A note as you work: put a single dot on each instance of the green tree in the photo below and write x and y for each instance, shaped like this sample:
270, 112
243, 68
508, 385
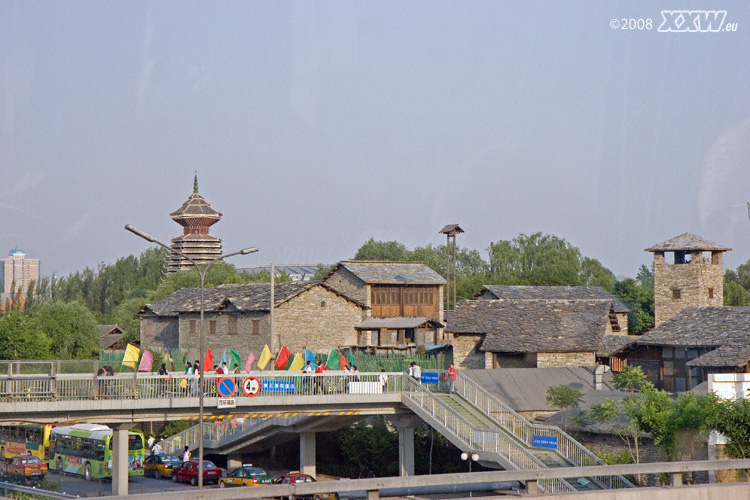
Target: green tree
372, 446
641, 298
542, 260
564, 397
382, 250
72, 328
731, 417
20, 338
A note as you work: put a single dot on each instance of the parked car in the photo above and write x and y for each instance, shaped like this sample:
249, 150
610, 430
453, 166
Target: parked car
247, 475
296, 477
188, 472
160, 465
25, 465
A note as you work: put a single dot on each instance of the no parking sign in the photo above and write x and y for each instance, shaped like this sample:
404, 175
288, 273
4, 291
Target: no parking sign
225, 387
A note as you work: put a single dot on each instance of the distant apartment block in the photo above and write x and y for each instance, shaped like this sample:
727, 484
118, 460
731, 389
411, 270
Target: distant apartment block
18, 271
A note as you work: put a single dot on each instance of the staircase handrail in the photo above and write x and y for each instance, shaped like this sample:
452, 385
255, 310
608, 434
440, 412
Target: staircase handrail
521, 428
486, 440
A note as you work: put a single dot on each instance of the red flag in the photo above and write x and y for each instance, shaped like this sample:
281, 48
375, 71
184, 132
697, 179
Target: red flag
208, 363
283, 358
342, 362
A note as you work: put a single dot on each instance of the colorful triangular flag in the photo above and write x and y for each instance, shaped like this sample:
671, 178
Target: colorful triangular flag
264, 358
131, 356
249, 362
234, 359
282, 359
147, 361
298, 363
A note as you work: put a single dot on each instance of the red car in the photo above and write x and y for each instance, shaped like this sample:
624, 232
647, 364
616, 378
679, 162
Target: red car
188, 472
295, 477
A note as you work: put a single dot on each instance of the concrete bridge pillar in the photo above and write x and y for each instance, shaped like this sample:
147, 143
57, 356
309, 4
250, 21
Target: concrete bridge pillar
120, 459
405, 425
307, 453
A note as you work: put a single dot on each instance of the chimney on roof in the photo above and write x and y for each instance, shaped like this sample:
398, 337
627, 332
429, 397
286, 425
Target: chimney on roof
599, 372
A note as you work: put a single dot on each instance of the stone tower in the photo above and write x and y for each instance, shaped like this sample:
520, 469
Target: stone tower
690, 274
195, 216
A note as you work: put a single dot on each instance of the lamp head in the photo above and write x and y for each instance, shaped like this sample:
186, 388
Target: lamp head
140, 233
248, 250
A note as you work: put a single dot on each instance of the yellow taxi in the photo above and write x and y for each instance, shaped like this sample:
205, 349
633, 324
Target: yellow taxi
160, 465
247, 475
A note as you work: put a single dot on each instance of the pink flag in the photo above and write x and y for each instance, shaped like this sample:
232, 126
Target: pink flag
147, 361
250, 360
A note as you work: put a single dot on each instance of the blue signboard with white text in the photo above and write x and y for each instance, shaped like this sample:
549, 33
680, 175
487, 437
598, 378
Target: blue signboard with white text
430, 377
278, 386
549, 442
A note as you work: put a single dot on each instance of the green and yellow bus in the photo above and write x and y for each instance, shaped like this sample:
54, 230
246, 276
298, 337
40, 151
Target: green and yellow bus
86, 449
32, 439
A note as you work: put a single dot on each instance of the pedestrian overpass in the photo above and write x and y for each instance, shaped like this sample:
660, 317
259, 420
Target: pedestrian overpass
471, 418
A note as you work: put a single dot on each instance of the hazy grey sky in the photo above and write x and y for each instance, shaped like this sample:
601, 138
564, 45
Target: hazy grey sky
316, 125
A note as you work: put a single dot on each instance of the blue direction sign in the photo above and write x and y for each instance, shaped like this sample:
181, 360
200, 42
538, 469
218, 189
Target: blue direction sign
225, 387
549, 442
430, 378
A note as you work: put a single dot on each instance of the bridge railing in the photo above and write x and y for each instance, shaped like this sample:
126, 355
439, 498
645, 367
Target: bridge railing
485, 440
524, 430
80, 387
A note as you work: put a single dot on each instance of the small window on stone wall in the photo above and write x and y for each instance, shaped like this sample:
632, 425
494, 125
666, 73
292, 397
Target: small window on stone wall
256, 327
212, 327
710, 293
676, 293
322, 303
232, 325
192, 327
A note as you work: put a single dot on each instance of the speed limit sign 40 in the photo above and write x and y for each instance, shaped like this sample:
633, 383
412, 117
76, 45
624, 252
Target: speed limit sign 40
251, 386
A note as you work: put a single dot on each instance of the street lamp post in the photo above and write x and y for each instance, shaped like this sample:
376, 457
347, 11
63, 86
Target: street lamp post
202, 273
470, 457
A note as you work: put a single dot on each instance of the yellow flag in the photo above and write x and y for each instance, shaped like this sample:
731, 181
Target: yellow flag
131, 356
298, 363
264, 358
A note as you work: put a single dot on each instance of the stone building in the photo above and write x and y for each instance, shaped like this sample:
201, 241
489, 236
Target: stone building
679, 354
688, 271
195, 216
404, 301
307, 315
536, 327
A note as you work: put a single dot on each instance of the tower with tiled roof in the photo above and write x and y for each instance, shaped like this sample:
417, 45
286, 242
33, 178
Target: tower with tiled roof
693, 275
195, 216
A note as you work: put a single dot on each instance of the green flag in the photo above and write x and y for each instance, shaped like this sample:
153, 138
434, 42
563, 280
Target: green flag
334, 360
351, 357
234, 359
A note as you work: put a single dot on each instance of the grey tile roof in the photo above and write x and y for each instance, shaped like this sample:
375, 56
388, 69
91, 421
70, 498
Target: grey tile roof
541, 325
244, 297
703, 326
725, 356
552, 292
392, 272
612, 344
724, 327
525, 389
195, 206
687, 242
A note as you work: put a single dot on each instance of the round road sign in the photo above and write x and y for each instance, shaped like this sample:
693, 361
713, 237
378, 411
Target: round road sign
251, 386
225, 387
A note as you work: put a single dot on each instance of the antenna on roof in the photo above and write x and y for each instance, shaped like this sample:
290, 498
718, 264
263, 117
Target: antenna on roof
195, 182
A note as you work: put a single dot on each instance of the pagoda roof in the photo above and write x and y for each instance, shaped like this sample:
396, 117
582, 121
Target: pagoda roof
195, 207
687, 242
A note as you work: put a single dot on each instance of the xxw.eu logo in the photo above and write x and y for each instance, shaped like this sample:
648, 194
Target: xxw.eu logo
692, 20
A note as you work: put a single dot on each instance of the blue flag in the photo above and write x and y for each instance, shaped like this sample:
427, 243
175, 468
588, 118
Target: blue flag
224, 357
310, 356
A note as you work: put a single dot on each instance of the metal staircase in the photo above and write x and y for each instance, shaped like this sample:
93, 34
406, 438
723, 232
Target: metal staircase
476, 421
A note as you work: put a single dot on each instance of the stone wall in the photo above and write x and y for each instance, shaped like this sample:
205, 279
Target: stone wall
347, 284
466, 354
252, 333
159, 334
317, 319
565, 359
699, 283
